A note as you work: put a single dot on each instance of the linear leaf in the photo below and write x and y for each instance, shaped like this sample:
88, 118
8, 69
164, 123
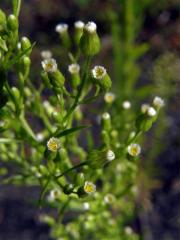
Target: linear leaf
70, 130
16, 7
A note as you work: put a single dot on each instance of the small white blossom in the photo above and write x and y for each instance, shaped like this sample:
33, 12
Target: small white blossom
74, 68
106, 115
79, 24
109, 198
19, 46
90, 27
49, 65
145, 107
128, 230
53, 195
46, 54
39, 137
158, 102
151, 112
110, 155
86, 206
53, 144
61, 28
109, 97
89, 187
126, 104
98, 72
134, 149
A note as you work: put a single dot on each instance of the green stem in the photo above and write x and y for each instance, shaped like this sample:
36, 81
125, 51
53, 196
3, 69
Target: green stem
27, 127
71, 169
78, 96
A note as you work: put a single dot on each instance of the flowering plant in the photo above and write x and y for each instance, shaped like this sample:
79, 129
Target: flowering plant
50, 141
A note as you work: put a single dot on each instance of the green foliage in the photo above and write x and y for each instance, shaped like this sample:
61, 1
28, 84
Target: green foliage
94, 181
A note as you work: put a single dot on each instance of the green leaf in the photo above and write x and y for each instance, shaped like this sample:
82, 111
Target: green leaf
70, 130
3, 45
16, 7
8, 140
17, 57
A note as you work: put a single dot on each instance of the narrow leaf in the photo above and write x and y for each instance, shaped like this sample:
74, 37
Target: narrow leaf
70, 130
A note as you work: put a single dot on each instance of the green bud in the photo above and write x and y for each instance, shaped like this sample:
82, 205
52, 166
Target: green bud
12, 22
45, 79
25, 65
106, 121
79, 25
57, 117
57, 79
78, 114
90, 42
62, 30
3, 44
16, 93
105, 137
80, 179
26, 44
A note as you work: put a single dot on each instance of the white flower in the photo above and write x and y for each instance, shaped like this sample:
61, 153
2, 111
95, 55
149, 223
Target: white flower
110, 155
126, 104
151, 112
98, 72
19, 46
61, 28
145, 107
158, 102
109, 198
128, 230
109, 97
53, 195
106, 115
49, 65
39, 137
134, 149
89, 187
86, 206
90, 27
53, 144
74, 68
79, 24
46, 54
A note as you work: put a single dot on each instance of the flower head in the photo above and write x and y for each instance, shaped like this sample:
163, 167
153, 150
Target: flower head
89, 187
151, 112
109, 198
158, 102
53, 195
145, 107
74, 68
49, 65
90, 27
79, 24
53, 144
46, 54
61, 28
109, 97
106, 115
134, 149
126, 104
98, 72
110, 155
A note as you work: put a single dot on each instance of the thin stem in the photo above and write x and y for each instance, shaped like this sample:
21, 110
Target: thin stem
78, 96
71, 169
27, 127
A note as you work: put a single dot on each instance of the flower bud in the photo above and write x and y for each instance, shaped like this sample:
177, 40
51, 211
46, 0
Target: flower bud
74, 69
12, 22
55, 76
90, 42
16, 93
109, 97
158, 102
106, 121
98, 158
25, 65
80, 179
25, 44
79, 26
62, 29
101, 77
